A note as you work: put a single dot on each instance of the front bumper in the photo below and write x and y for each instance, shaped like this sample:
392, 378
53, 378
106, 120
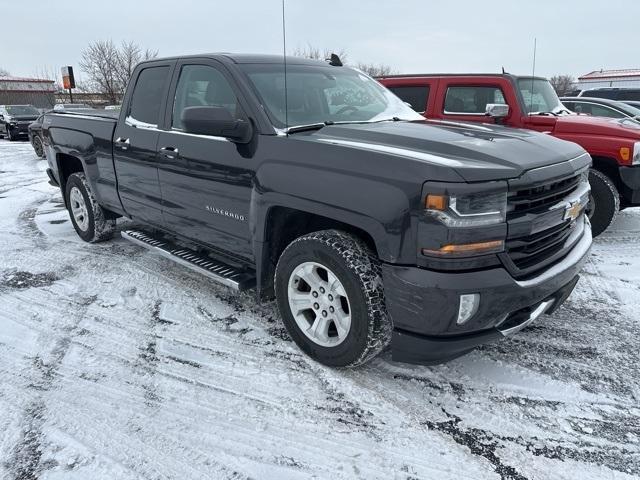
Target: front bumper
423, 305
630, 184
19, 129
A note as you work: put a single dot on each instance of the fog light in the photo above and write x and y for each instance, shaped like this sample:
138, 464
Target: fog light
468, 307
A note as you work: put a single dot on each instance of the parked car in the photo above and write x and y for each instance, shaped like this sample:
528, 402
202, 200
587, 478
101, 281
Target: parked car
71, 106
612, 93
532, 103
15, 120
369, 224
35, 135
601, 107
633, 103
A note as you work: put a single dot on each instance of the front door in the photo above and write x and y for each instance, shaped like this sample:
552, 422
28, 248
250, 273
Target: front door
135, 144
206, 181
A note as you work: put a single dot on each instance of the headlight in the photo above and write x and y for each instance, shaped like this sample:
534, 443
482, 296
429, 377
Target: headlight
468, 209
636, 154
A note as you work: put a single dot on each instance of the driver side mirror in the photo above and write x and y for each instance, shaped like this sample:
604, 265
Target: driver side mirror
217, 122
497, 111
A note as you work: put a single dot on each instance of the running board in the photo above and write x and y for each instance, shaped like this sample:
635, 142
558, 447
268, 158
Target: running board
218, 271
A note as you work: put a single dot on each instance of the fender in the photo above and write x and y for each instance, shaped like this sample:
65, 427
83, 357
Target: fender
373, 205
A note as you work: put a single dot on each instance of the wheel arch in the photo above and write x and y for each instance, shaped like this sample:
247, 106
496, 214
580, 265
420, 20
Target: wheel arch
283, 224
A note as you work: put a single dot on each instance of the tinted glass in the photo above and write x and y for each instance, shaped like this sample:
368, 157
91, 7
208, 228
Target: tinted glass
610, 94
147, 95
415, 96
202, 86
629, 95
602, 111
472, 100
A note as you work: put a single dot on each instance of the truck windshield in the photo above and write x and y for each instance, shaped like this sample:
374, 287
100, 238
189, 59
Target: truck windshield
22, 110
539, 96
324, 94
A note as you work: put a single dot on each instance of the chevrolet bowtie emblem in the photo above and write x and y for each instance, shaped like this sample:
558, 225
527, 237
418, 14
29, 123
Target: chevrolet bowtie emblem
573, 211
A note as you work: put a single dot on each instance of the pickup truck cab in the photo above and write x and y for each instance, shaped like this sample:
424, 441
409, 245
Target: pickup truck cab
368, 224
531, 103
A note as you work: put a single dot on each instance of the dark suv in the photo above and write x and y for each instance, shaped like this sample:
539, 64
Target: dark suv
15, 120
612, 93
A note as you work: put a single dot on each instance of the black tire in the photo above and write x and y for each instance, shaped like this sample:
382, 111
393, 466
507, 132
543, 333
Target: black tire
97, 228
10, 136
37, 146
604, 203
360, 273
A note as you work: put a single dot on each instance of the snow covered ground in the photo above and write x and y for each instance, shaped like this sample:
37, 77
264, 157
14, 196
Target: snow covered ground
118, 364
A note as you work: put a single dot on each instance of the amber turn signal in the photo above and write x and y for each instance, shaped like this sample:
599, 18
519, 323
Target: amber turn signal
466, 249
436, 202
625, 153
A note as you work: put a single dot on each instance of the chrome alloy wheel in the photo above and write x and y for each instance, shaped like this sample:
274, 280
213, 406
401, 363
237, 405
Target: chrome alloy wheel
79, 209
319, 304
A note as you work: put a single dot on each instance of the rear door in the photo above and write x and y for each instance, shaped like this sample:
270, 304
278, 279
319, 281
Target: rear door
206, 180
415, 94
136, 139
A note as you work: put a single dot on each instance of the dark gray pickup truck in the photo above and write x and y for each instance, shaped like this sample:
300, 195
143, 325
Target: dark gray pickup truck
369, 224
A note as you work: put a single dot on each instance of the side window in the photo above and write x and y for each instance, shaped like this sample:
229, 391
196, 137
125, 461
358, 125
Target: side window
602, 111
147, 95
416, 96
471, 100
202, 86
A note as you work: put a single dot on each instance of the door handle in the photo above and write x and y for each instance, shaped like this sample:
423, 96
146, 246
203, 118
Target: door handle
122, 143
169, 152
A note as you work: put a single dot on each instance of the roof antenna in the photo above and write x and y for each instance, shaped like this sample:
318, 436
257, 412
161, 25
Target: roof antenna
503, 72
284, 56
533, 73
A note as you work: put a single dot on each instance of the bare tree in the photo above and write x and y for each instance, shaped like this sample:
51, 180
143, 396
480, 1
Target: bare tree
109, 67
563, 84
4, 73
374, 70
315, 53
100, 62
129, 55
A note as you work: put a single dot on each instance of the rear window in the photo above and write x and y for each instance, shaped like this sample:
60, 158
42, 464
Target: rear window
416, 96
472, 100
610, 94
629, 95
147, 95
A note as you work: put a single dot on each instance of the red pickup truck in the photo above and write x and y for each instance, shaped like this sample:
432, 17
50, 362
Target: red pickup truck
532, 103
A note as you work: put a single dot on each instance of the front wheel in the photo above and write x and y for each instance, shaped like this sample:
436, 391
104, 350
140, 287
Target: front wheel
37, 146
10, 136
86, 214
330, 296
604, 202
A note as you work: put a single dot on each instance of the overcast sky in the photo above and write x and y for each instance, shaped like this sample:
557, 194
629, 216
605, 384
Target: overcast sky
411, 36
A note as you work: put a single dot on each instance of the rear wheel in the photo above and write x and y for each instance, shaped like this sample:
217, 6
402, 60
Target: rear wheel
87, 216
604, 202
37, 146
330, 296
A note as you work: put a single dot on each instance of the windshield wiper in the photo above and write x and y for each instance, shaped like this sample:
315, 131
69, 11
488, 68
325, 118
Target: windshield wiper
310, 126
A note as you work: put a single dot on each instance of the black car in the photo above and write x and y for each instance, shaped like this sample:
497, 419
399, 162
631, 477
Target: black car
612, 93
369, 224
35, 135
601, 107
15, 120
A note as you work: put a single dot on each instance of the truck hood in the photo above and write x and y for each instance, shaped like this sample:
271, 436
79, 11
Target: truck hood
583, 124
476, 152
